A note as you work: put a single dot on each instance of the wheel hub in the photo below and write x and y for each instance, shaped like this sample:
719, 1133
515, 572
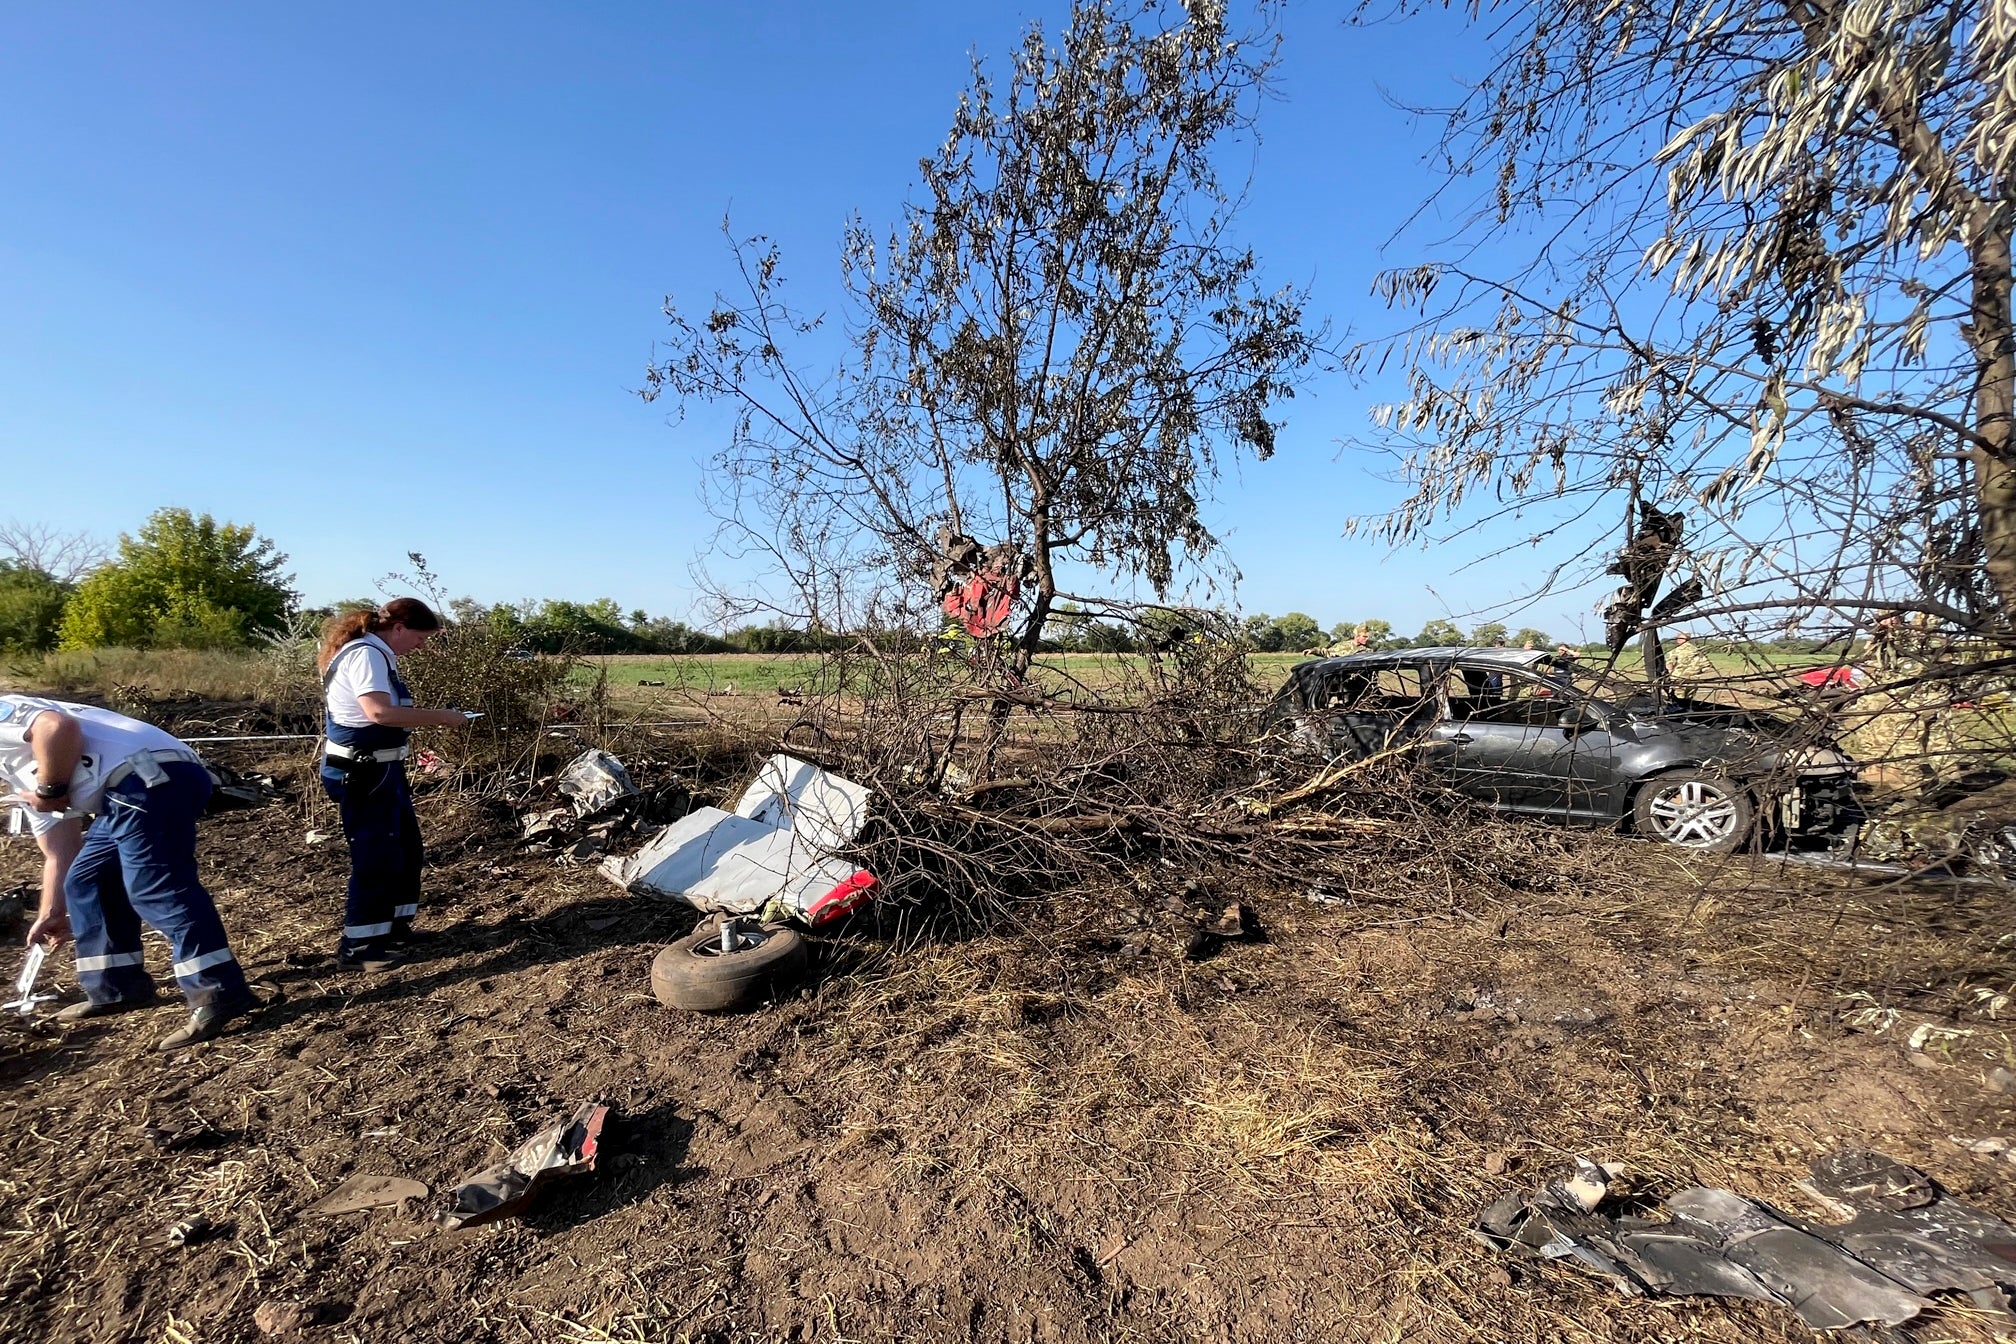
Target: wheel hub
1694, 814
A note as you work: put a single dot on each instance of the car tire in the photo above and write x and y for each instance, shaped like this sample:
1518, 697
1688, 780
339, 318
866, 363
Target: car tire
696, 975
1694, 809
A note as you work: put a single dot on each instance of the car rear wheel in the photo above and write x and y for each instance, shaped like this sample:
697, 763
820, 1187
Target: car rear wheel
1694, 809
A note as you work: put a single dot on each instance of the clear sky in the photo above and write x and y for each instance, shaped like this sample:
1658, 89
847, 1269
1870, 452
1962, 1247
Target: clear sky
380, 277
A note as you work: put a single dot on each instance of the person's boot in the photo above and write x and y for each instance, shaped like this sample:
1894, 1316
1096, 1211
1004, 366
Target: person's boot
209, 1021
80, 1012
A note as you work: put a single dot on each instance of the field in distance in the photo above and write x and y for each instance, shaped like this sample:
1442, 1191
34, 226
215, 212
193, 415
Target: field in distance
764, 674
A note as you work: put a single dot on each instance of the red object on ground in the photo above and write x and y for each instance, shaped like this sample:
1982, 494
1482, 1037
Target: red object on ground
982, 604
1831, 676
843, 900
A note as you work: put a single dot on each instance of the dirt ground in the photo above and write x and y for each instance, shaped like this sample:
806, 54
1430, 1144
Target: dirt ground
1058, 1131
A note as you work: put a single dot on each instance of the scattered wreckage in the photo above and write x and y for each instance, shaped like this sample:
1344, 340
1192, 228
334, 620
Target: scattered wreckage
1903, 1240
567, 1148
772, 862
1530, 732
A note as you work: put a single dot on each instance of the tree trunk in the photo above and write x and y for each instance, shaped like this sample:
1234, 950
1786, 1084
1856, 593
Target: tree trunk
1991, 334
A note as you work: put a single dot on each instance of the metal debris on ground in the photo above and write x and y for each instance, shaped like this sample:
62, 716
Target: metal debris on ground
568, 1148
25, 997
190, 1231
548, 825
774, 853
595, 780
232, 792
360, 1193
1904, 1239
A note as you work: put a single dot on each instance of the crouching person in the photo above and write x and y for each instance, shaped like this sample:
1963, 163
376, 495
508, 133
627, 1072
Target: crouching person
145, 790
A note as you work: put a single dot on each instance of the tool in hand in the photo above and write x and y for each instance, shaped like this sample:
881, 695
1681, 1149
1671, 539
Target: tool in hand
25, 996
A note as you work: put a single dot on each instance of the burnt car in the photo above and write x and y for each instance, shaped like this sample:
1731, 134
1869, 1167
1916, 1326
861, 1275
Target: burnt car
1534, 733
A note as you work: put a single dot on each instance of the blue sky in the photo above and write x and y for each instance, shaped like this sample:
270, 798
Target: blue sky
384, 277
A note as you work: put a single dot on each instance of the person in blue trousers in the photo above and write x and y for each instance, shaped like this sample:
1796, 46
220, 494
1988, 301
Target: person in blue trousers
369, 716
136, 864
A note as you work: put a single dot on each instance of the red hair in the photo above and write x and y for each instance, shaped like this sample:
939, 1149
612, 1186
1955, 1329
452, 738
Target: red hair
346, 626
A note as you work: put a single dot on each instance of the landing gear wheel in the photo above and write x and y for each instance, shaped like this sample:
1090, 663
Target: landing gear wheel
1694, 809
703, 973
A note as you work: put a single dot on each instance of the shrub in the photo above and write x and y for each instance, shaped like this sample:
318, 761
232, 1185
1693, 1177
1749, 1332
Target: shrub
473, 667
183, 582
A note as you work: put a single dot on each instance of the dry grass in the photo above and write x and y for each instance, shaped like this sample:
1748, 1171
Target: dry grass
1329, 1082
159, 674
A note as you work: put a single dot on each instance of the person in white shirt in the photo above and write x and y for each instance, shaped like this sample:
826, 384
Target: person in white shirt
145, 790
368, 717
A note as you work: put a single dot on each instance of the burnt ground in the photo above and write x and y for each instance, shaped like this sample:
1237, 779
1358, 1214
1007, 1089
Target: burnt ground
1059, 1130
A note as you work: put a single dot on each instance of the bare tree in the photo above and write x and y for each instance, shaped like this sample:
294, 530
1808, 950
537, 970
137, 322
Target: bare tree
65, 557
1766, 283
1053, 352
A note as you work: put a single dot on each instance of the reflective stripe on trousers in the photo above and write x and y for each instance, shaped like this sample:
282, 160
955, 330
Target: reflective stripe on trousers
138, 863
108, 961
184, 969
385, 853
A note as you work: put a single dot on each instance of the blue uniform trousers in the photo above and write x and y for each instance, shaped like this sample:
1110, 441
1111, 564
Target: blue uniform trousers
385, 853
138, 862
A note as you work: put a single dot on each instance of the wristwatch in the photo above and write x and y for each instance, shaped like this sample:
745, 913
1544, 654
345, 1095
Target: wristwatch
52, 790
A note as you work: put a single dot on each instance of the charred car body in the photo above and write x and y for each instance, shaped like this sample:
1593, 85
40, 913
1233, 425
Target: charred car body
1529, 732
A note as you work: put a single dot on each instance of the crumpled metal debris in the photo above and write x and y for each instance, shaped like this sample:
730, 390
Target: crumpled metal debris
1904, 1240
568, 1148
595, 780
551, 824
773, 854
977, 585
231, 791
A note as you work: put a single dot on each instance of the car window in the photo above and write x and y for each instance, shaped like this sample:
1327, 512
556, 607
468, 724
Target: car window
1335, 689
1405, 682
1506, 697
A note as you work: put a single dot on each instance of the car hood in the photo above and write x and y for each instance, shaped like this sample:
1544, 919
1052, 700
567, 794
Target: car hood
1743, 739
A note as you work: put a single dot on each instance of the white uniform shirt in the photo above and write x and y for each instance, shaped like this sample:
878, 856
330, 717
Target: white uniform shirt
109, 741
360, 667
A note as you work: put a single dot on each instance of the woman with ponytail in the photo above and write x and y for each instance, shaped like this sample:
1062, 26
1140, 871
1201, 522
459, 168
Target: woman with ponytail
369, 714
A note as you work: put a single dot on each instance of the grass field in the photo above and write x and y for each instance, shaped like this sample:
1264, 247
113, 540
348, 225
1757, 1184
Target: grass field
764, 674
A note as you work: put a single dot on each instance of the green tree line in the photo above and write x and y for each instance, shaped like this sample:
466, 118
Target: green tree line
185, 580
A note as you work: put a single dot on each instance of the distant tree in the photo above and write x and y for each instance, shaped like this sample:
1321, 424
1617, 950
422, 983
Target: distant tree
183, 581
1488, 633
660, 634
1066, 630
1438, 634
1295, 632
31, 608
64, 557
1108, 637
467, 611
580, 627
1526, 634
1260, 631
1060, 346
